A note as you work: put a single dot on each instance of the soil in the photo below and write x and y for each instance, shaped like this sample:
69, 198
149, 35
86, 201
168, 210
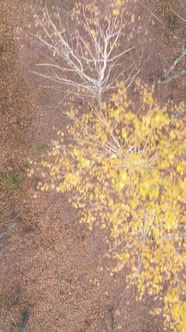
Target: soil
53, 277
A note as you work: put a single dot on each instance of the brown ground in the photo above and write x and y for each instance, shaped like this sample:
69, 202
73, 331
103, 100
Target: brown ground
50, 266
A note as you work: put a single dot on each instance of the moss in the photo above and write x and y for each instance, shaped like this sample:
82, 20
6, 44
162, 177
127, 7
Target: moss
14, 180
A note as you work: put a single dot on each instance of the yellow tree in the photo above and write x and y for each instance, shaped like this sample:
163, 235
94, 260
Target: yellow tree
124, 166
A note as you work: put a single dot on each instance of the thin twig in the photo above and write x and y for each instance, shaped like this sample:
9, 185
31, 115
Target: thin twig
181, 17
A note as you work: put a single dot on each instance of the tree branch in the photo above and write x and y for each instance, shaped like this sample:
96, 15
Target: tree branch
169, 76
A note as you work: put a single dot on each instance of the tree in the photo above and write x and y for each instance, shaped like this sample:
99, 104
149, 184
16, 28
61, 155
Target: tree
87, 50
124, 166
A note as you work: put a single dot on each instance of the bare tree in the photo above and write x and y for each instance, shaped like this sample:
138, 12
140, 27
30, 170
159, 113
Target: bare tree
88, 49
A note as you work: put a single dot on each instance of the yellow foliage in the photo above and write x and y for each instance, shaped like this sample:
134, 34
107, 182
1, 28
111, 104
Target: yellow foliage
125, 170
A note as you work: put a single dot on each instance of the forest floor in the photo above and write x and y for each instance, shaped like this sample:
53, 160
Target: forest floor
51, 268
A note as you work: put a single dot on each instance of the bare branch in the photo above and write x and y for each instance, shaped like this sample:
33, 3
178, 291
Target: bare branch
111, 319
182, 18
24, 320
170, 75
86, 57
173, 76
15, 222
